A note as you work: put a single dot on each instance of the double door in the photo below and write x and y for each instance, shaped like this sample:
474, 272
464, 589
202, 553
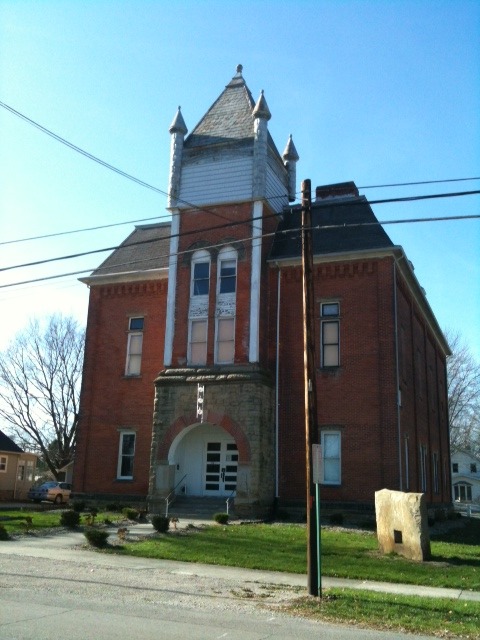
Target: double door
221, 464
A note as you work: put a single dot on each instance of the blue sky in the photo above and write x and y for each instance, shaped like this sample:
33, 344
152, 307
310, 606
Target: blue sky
377, 92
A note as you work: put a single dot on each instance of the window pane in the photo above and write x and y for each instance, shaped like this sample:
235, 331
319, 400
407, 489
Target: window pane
128, 444
126, 470
330, 332
199, 330
330, 356
201, 278
136, 324
225, 329
228, 271
331, 471
225, 352
198, 353
331, 445
330, 309
136, 341
226, 340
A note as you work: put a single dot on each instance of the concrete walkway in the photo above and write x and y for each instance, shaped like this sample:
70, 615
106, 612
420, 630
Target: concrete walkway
70, 546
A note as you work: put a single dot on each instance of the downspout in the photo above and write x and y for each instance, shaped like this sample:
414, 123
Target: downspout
397, 375
277, 373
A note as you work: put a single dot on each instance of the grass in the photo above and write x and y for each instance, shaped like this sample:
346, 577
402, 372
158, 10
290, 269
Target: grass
348, 554
440, 617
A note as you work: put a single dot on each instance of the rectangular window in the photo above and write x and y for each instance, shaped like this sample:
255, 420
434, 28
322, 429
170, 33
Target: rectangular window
436, 482
423, 468
126, 455
225, 340
201, 278
198, 342
463, 492
3, 464
330, 334
30, 467
21, 470
473, 468
134, 347
228, 276
455, 467
331, 457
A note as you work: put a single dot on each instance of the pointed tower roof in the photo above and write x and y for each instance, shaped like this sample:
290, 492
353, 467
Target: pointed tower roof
178, 124
290, 153
229, 119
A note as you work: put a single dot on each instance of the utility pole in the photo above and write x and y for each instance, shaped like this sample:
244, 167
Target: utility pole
311, 428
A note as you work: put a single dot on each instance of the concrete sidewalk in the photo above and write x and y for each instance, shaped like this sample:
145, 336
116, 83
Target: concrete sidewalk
70, 546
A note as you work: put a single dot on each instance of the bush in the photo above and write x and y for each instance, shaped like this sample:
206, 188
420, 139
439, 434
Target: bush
160, 523
221, 518
336, 519
3, 533
70, 519
130, 513
96, 537
114, 506
79, 505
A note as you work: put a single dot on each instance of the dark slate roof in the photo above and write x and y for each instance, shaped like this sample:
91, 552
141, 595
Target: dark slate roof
229, 120
334, 212
147, 247
7, 444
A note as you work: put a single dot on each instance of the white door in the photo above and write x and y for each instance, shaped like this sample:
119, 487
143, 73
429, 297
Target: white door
221, 461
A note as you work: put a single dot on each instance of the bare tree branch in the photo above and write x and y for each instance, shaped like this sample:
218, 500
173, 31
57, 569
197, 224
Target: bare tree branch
40, 376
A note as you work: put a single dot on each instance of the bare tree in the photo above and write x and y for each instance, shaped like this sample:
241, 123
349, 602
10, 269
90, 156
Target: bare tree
40, 376
463, 374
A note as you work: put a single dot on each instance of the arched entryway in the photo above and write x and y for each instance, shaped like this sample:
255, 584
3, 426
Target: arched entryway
205, 458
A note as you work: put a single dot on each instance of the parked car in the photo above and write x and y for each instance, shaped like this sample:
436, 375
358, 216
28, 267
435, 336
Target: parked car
52, 491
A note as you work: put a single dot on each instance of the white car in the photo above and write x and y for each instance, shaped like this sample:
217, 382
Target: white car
52, 491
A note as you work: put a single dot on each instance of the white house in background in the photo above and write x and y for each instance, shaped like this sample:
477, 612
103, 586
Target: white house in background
465, 476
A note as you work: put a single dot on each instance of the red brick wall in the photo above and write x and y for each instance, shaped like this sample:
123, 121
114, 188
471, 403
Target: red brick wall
110, 400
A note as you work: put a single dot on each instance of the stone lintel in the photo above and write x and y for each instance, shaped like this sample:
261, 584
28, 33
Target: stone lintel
215, 375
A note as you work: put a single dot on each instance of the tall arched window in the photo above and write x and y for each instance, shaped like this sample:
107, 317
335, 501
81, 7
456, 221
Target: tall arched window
225, 311
198, 308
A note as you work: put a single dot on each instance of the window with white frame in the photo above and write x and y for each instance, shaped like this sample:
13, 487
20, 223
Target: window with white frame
331, 442
462, 491
198, 342
227, 275
126, 454
330, 334
200, 274
134, 346
21, 470
30, 467
423, 468
225, 347
3, 464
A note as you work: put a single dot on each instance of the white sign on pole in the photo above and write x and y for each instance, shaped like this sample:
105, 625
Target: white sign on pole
317, 463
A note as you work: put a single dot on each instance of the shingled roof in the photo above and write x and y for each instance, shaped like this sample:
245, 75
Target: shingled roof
7, 444
147, 247
341, 224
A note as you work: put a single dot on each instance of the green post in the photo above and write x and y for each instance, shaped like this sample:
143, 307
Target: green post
319, 543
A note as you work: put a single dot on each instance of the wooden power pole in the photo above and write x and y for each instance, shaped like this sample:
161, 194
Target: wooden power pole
311, 427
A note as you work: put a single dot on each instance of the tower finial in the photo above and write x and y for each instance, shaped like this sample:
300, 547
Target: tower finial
239, 68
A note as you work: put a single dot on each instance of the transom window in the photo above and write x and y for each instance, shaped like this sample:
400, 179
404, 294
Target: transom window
330, 334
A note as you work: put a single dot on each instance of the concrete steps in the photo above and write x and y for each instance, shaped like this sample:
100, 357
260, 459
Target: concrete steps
198, 508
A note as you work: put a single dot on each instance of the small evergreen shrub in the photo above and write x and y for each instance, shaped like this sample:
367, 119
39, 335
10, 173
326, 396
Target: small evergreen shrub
70, 519
96, 537
336, 519
3, 533
161, 523
114, 506
221, 518
79, 505
130, 513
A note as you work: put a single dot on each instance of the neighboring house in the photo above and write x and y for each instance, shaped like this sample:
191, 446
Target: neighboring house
17, 470
65, 474
465, 476
206, 312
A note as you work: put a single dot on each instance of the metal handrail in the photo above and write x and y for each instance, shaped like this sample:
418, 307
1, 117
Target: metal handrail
230, 499
173, 493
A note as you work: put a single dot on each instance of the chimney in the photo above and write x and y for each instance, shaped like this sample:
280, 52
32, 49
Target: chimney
338, 190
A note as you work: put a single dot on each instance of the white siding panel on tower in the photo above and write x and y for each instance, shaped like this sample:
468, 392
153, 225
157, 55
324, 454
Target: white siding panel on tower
223, 180
276, 191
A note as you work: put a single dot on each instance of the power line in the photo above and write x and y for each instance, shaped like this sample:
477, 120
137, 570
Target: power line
273, 233
236, 223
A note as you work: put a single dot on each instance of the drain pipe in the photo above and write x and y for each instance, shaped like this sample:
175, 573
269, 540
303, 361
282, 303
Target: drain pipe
397, 373
277, 370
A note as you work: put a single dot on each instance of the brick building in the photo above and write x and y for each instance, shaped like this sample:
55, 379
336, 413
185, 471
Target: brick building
215, 299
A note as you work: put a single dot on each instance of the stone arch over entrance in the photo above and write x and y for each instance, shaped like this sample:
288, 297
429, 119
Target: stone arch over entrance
216, 419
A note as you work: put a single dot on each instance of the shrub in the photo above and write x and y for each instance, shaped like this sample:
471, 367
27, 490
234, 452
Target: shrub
79, 505
114, 506
96, 537
221, 518
160, 523
130, 513
70, 519
336, 519
3, 533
